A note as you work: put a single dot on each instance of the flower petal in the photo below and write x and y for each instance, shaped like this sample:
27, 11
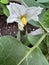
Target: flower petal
33, 12
12, 19
22, 9
20, 26
35, 18
10, 9
13, 10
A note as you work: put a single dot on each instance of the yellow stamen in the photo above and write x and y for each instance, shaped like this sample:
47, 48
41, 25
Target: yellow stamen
24, 21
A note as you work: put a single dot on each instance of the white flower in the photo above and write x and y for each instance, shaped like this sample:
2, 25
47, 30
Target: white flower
22, 14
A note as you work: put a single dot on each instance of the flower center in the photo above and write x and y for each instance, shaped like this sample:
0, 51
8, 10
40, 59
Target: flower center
24, 20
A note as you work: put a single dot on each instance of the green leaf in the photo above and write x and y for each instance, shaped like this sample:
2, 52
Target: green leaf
1, 11
26, 40
33, 38
34, 23
45, 19
48, 41
46, 5
13, 52
43, 1
31, 2
36, 58
43, 46
4, 1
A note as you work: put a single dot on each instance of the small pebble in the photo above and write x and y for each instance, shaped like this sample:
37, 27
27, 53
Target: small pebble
14, 32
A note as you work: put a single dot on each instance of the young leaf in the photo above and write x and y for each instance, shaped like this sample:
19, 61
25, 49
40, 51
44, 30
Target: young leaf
6, 11
4, 1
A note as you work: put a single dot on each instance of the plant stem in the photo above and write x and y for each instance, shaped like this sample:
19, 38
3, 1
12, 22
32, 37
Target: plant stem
43, 27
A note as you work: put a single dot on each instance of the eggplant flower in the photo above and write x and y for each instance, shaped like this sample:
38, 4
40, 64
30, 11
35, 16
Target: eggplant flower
21, 14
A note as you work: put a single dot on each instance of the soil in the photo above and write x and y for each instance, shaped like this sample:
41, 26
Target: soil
12, 28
